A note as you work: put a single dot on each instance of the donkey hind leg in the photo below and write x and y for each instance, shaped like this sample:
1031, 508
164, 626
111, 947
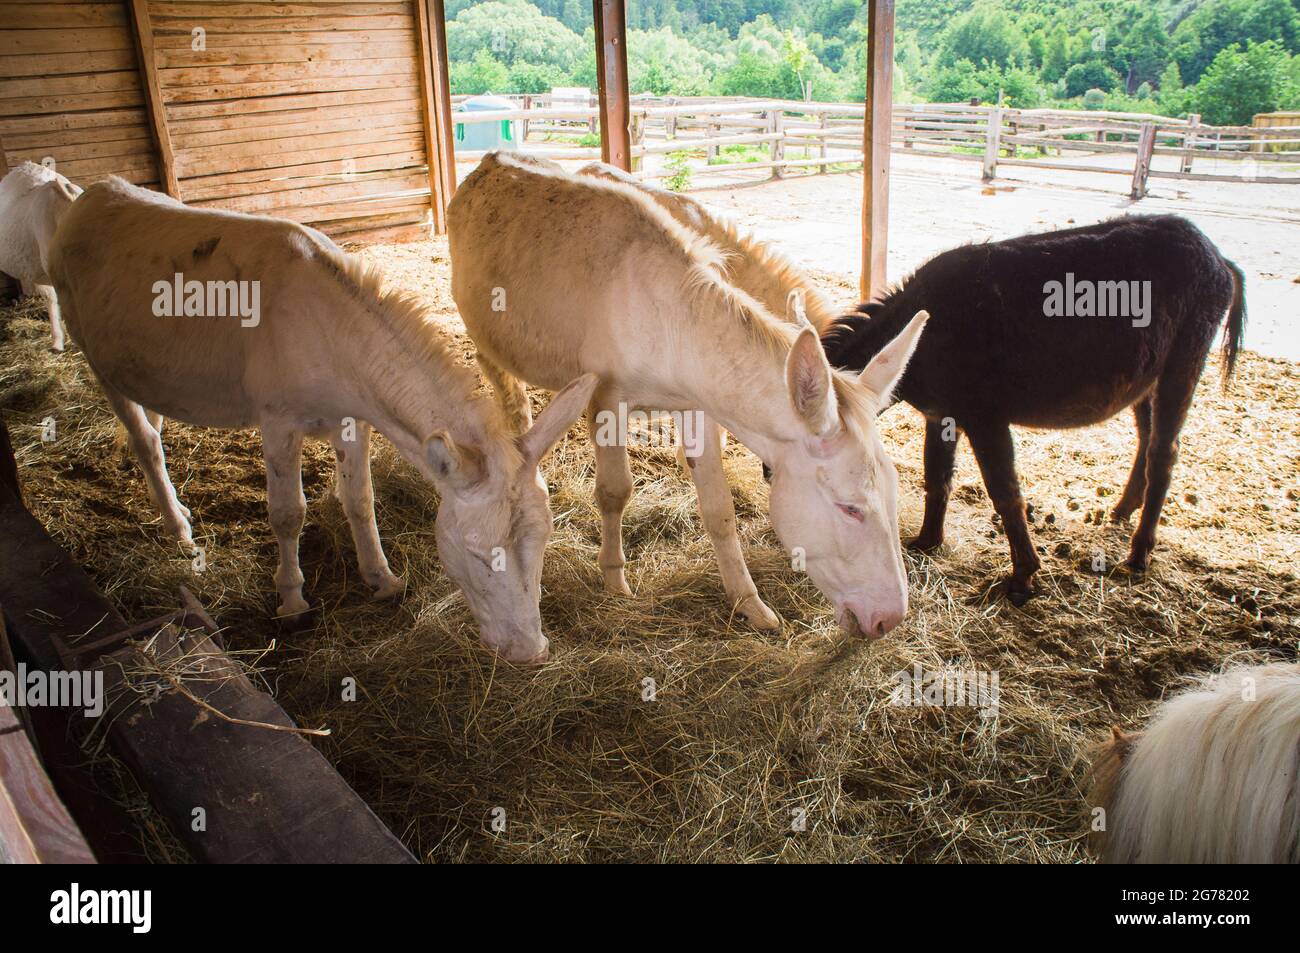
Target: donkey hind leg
56, 319
1136, 487
718, 513
940, 460
146, 444
355, 493
510, 392
1173, 398
995, 452
613, 488
287, 507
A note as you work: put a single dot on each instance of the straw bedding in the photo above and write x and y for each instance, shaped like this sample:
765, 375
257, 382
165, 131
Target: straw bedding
744, 746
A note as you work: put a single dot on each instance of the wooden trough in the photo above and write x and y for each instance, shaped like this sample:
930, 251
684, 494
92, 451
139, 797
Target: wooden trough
220, 760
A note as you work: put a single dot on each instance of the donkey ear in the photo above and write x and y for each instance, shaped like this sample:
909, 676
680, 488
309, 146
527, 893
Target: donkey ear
461, 466
794, 309
882, 374
552, 423
808, 379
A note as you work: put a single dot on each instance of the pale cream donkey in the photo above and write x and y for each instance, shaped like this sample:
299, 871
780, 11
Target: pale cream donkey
558, 275
221, 319
32, 201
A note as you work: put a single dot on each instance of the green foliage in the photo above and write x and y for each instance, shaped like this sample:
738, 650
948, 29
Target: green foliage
1093, 74
1238, 84
1221, 57
677, 165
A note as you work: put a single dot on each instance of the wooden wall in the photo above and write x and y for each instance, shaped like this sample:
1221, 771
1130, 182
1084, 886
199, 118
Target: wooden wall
314, 111
70, 91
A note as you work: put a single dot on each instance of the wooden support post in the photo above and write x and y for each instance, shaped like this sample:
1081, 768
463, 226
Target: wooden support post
670, 123
825, 124
439, 135
1189, 141
993, 142
637, 131
711, 150
776, 126
142, 31
523, 123
610, 18
1142, 166
875, 145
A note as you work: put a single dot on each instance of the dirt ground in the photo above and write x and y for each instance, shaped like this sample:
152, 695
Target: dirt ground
938, 203
779, 746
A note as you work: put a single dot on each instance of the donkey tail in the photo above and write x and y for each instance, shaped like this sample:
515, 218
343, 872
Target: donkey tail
1235, 332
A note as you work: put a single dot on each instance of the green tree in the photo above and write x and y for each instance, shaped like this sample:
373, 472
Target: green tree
1238, 84
1092, 74
1143, 51
513, 31
984, 34
482, 74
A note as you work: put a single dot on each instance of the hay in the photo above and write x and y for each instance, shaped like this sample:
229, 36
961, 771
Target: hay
747, 733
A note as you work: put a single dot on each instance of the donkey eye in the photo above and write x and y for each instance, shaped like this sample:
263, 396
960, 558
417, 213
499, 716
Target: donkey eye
852, 512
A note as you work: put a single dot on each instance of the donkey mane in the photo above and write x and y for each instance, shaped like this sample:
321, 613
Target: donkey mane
408, 320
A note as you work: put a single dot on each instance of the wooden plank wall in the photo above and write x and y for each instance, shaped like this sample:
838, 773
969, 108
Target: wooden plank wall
70, 91
313, 111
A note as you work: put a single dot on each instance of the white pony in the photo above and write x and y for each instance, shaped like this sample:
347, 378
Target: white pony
560, 275
32, 200
1214, 777
221, 319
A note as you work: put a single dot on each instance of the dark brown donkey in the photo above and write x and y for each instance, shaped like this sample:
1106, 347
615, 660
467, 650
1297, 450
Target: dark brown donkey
1062, 329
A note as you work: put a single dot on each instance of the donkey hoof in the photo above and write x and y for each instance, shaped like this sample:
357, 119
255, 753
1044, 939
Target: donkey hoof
387, 586
292, 606
925, 544
616, 582
1138, 562
1019, 591
757, 613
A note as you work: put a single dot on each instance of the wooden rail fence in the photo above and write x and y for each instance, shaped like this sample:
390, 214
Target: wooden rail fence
820, 136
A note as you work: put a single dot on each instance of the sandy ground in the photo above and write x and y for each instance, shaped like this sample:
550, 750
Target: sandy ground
937, 203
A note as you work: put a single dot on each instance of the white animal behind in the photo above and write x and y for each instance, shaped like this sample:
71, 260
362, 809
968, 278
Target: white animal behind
32, 201
329, 354
559, 275
1213, 778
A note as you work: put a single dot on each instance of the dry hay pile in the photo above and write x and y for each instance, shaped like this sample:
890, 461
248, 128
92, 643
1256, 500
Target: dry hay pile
747, 733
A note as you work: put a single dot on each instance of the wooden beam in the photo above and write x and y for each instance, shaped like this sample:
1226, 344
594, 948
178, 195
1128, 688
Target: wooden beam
875, 146
444, 127
142, 31
432, 140
610, 18
1142, 164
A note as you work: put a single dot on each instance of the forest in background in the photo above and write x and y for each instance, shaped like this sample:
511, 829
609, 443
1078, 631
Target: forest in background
1224, 59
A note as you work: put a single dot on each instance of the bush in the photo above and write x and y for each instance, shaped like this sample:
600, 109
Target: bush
1094, 99
1094, 74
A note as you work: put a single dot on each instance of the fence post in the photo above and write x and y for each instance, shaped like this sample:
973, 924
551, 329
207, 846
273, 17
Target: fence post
1146, 143
636, 128
711, 150
776, 125
1189, 142
992, 143
523, 125
826, 126
670, 122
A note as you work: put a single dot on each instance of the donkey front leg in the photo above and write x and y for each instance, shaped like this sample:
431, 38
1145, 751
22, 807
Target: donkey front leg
613, 488
1136, 487
510, 392
940, 460
356, 494
146, 444
287, 507
56, 319
718, 513
996, 455
1173, 398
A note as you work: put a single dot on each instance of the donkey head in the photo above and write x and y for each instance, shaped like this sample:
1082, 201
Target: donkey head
834, 497
493, 524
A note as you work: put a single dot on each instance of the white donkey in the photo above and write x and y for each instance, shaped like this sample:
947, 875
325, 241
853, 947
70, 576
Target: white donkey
560, 275
755, 267
227, 320
32, 200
